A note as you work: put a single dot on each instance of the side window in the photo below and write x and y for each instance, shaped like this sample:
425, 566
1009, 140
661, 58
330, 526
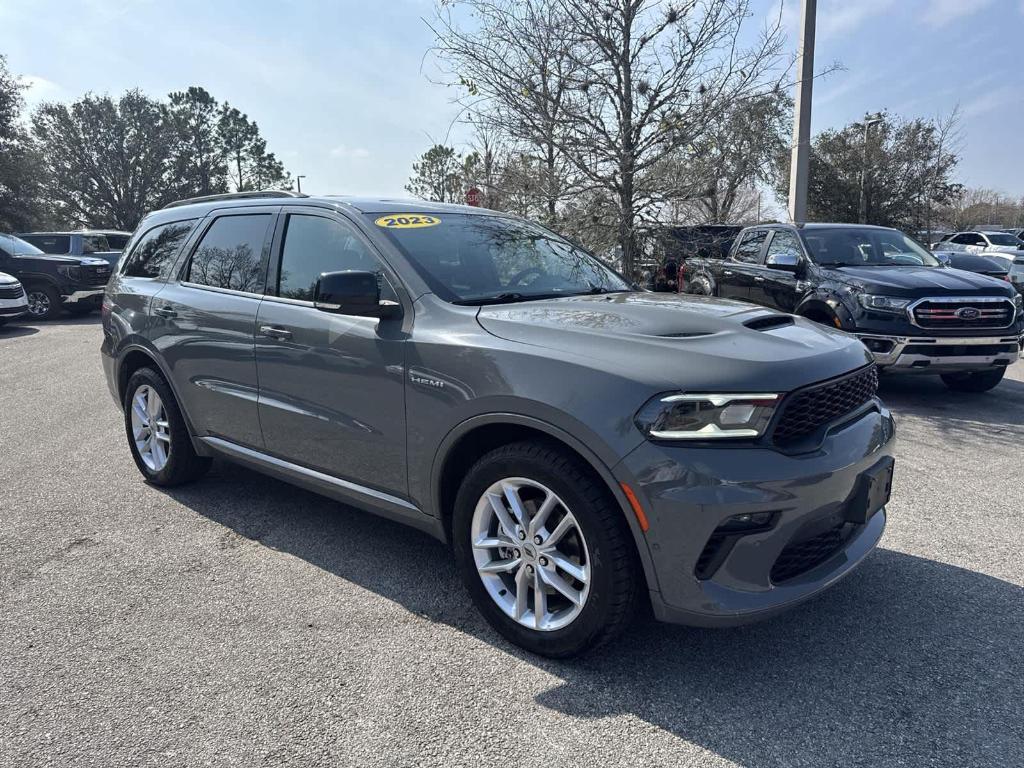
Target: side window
749, 249
57, 244
314, 245
154, 254
230, 255
784, 242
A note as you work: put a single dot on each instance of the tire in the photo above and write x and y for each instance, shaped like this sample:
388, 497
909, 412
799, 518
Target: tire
701, 287
599, 545
181, 464
80, 308
43, 302
974, 381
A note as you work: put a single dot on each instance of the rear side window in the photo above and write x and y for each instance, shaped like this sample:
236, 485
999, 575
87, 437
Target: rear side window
94, 244
230, 255
154, 255
749, 249
118, 242
50, 243
314, 245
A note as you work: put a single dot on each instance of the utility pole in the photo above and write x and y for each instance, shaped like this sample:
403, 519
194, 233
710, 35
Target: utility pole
801, 157
298, 181
862, 208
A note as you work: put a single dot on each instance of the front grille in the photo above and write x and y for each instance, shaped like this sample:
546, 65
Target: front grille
96, 274
11, 291
801, 556
805, 411
982, 312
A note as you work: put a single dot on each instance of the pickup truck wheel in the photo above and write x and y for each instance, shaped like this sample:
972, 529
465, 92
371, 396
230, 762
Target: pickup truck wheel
974, 381
544, 550
43, 302
157, 433
700, 286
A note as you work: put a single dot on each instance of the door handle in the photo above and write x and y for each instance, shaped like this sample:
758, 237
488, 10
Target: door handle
165, 312
758, 279
727, 272
274, 332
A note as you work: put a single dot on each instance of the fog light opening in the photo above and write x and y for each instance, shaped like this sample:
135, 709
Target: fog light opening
880, 346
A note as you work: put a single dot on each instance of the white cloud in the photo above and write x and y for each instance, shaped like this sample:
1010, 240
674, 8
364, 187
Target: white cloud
938, 13
40, 89
350, 153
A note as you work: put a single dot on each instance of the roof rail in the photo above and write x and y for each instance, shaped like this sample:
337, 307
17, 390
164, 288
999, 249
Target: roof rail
235, 196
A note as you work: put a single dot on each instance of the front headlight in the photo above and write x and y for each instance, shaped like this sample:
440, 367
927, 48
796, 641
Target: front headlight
1018, 301
706, 416
71, 273
882, 303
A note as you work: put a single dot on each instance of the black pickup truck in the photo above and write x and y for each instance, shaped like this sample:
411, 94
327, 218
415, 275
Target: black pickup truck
74, 283
911, 311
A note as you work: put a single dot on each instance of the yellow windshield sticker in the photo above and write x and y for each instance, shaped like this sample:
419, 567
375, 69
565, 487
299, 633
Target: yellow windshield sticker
406, 221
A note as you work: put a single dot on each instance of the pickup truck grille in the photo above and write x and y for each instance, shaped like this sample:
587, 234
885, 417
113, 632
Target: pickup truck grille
963, 313
11, 291
805, 411
96, 273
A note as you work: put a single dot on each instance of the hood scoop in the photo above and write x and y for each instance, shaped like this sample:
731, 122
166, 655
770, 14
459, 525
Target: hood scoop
768, 322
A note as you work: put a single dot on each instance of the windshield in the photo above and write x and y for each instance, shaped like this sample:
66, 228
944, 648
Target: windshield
94, 244
855, 247
15, 246
480, 259
1002, 238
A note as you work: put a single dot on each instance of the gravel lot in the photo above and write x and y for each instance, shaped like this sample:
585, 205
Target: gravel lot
241, 621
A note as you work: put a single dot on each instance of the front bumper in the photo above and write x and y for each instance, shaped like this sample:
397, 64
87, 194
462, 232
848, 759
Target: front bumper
94, 295
938, 354
687, 493
12, 308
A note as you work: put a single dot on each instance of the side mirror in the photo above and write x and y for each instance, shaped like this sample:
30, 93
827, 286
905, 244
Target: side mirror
353, 293
786, 262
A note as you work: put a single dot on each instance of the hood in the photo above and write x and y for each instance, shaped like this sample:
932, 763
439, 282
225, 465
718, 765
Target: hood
6, 279
915, 282
108, 257
681, 341
77, 261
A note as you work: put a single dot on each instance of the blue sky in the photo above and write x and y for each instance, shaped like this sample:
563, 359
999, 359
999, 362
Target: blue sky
341, 90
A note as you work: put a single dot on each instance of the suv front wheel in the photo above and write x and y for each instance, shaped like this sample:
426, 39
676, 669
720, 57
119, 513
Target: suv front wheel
544, 550
157, 433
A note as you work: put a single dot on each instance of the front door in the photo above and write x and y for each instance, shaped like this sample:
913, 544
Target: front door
736, 279
332, 387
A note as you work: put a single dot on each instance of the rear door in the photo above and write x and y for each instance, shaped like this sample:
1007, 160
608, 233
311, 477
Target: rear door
205, 323
332, 386
736, 278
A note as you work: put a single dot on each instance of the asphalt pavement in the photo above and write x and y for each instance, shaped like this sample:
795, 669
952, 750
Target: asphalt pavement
241, 621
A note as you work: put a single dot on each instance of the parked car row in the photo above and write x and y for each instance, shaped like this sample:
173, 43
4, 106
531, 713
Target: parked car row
70, 277
1003, 246
910, 310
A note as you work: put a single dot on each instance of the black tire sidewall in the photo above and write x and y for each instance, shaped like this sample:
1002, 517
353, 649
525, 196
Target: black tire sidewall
596, 614
181, 458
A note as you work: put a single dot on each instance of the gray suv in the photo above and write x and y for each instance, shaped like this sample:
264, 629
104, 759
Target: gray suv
585, 447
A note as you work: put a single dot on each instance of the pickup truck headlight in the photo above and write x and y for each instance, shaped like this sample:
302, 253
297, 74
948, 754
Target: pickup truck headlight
882, 303
1018, 302
71, 273
688, 416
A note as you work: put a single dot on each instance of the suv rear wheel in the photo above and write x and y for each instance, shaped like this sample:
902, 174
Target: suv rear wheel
43, 302
974, 381
157, 433
544, 550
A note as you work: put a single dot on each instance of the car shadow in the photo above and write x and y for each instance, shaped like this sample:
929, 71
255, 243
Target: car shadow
908, 661
15, 329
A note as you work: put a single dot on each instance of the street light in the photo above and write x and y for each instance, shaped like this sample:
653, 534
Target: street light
869, 120
298, 180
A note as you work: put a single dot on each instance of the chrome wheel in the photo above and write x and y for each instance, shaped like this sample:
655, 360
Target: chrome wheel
38, 303
530, 554
150, 429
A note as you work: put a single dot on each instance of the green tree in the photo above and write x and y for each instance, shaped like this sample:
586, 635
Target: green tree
197, 157
250, 166
22, 205
438, 175
107, 162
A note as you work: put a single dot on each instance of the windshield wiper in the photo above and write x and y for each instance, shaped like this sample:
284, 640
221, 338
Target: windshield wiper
498, 298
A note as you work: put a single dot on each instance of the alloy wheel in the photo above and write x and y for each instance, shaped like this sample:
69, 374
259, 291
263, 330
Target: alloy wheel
150, 428
530, 554
38, 303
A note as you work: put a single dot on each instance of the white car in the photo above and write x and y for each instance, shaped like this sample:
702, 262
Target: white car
1000, 244
13, 302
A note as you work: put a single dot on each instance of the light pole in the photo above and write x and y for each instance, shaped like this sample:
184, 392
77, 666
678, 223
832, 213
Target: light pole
862, 209
298, 180
799, 165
